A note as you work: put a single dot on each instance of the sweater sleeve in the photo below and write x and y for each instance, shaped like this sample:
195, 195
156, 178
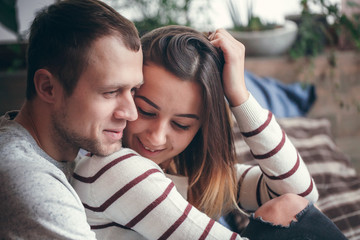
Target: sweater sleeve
125, 192
280, 167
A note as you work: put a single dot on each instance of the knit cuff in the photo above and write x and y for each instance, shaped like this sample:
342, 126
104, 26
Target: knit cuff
249, 115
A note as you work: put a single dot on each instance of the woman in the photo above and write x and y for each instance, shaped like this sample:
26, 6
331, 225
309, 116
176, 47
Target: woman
184, 127
183, 77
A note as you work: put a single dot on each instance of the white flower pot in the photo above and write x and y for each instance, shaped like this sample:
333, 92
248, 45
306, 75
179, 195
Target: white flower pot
268, 42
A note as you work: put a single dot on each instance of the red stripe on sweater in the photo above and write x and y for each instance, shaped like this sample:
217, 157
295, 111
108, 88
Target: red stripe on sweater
304, 194
259, 129
258, 198
112, 224
272, 152
240, 183
309, 190
285, 175
121, 192
207, 229
150, 207
102, 170
177, 223
234, 236
271, 191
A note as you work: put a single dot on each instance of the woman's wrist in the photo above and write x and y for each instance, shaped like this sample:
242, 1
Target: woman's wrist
238, 98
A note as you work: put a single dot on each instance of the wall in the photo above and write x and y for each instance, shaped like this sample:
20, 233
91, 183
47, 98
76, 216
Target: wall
26, 12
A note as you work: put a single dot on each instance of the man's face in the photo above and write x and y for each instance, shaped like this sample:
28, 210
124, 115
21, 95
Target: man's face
95, 115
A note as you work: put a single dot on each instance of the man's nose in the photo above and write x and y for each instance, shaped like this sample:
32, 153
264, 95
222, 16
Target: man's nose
126, 108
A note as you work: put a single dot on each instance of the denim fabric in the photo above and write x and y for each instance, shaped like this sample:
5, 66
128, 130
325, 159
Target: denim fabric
283, 100
311, 224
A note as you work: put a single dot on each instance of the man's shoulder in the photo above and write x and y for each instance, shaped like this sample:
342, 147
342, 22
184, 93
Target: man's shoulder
20, 154
11, 131
8, 118
15, 142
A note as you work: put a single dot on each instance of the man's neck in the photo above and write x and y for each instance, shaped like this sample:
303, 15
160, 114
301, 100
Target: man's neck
40, 129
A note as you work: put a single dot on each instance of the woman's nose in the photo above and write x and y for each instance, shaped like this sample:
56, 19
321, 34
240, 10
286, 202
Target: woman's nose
158, 134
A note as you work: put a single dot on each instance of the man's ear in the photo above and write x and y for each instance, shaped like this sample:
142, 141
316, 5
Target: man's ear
44, 84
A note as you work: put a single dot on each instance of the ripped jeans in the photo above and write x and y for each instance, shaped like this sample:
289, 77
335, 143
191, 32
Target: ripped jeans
311, 224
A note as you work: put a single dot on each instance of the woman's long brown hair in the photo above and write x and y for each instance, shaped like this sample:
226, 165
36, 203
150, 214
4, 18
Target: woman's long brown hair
209, 159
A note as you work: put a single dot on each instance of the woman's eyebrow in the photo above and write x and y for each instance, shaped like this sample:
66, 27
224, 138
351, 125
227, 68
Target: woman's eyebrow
148, 101
189, 115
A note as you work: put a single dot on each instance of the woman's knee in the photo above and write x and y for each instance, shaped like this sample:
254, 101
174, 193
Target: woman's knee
282, 210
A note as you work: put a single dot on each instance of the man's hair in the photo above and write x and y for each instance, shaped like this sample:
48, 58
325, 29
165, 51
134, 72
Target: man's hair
62, 35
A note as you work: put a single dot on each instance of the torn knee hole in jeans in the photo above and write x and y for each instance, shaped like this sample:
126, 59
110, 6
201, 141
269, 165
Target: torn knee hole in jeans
298, 216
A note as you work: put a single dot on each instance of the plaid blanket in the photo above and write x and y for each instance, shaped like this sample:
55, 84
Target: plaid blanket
335, 178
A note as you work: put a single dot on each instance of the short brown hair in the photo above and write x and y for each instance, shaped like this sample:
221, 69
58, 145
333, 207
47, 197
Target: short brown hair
62, 34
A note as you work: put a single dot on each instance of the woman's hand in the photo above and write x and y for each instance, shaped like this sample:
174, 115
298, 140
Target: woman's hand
233, 74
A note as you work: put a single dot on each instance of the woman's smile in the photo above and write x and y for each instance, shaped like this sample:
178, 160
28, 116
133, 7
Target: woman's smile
168, 115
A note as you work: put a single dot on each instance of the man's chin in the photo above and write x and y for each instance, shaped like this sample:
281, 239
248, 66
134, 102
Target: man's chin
107, 150
101, 148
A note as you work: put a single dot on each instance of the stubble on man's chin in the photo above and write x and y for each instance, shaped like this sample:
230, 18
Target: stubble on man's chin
70, 140
105, 151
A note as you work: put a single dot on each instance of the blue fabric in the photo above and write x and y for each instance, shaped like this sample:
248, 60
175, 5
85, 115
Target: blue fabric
283, 100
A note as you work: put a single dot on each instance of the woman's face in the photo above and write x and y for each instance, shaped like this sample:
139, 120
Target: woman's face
169, 111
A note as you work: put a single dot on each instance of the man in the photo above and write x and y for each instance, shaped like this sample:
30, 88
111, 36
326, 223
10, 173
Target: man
84, 62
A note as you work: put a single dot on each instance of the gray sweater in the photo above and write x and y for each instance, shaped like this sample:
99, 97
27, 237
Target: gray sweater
36, 199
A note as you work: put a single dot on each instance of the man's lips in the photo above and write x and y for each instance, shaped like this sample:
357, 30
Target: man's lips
115, 135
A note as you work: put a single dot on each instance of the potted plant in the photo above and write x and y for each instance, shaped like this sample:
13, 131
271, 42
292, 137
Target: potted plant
260, 38
316, 33
12, 54
152, 14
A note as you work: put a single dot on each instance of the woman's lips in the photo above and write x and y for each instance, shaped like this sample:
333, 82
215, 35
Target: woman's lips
146, 151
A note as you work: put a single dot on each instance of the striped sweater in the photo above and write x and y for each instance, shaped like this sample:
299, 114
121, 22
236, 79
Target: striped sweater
129, 197
280, 168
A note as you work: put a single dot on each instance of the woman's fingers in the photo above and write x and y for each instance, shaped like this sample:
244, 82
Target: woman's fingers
233, 72
232, 49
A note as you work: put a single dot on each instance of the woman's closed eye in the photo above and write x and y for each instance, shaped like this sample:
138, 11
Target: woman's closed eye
178, 125
145, 113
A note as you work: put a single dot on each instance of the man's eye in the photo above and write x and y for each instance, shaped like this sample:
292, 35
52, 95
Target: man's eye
111, 93
183, 127
144, 113
133, 91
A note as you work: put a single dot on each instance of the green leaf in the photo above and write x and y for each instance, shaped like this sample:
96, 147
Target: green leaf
8, 16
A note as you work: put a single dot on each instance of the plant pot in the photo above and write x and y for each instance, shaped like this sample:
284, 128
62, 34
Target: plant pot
268, 42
